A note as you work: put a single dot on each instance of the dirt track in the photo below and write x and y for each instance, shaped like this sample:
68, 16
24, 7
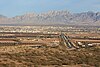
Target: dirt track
86, 40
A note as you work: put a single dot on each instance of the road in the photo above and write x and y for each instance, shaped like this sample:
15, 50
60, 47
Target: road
67, 42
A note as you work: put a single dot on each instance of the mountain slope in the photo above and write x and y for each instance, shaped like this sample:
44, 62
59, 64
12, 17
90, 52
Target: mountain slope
54, 17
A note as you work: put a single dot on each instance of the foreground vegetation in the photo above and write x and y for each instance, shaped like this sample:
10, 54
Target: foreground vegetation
57, 57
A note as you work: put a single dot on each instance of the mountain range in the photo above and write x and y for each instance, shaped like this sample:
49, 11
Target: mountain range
53, 18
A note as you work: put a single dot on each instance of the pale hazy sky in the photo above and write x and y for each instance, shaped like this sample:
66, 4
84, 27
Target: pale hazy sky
18, 7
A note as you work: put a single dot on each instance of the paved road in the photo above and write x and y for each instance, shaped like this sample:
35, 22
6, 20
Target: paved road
68, 42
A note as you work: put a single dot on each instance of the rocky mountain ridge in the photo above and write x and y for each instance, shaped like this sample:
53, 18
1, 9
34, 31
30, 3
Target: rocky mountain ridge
54, 17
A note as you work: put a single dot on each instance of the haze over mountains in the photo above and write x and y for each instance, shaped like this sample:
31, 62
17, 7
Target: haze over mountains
53, 18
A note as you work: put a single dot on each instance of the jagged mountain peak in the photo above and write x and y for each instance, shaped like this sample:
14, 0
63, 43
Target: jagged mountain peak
98, 13
56, 17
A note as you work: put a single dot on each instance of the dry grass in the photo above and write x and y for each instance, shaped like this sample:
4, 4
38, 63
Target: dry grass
25, 56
